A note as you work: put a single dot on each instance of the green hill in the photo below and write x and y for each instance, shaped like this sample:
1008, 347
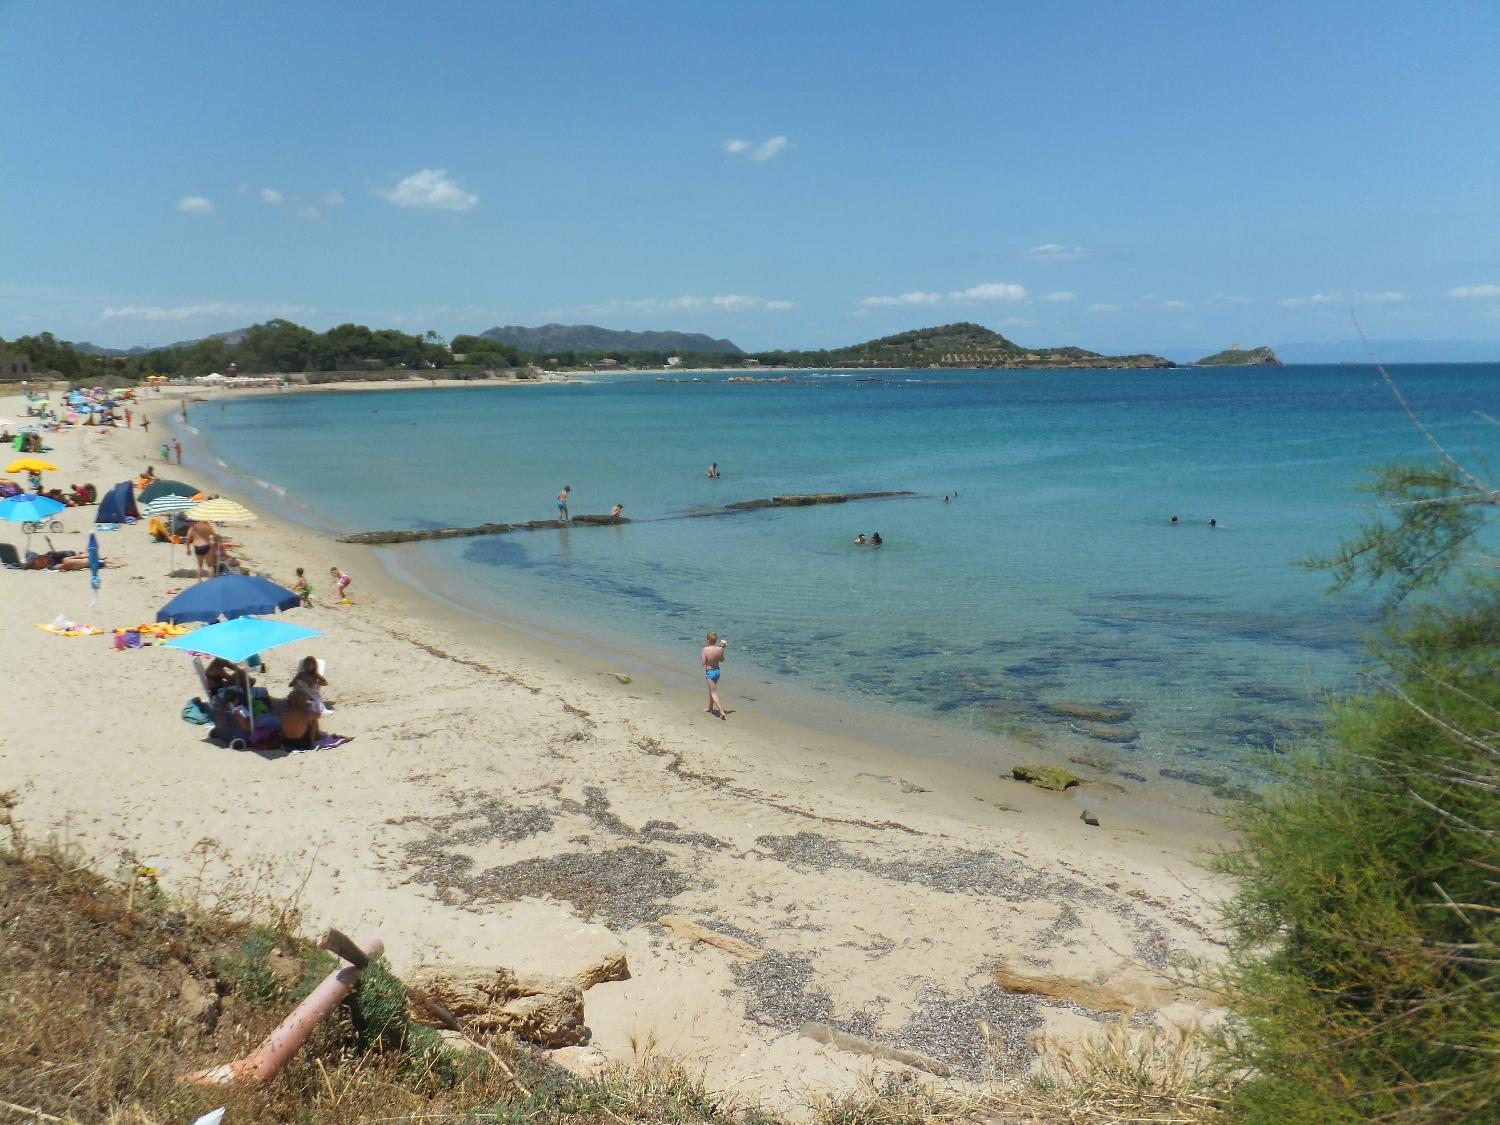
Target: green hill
1240, 357
590, 339
955, 345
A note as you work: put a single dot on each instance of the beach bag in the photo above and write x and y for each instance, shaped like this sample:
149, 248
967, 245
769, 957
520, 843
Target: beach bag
197, 712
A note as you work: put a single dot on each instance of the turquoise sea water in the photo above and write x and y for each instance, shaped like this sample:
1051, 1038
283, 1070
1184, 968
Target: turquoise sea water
1053, 575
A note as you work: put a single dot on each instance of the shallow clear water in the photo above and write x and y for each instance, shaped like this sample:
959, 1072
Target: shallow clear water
1054, 574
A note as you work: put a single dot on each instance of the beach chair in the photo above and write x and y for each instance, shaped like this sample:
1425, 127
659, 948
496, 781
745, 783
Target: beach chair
202, 670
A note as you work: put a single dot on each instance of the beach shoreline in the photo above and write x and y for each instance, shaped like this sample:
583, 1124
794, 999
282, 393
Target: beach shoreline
512, 800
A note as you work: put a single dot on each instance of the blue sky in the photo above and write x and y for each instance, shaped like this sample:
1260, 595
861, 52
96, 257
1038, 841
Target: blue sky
1123, 176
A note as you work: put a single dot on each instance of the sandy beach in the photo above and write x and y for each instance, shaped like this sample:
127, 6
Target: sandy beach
506, 801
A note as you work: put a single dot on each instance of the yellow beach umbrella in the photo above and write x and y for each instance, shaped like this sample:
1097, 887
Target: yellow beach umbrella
220, 510
31, 465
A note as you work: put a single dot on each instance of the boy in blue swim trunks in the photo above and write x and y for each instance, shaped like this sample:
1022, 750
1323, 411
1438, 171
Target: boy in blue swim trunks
562, 504
713, 656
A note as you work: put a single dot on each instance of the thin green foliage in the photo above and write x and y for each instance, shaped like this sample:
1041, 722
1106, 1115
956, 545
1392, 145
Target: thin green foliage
1365, 969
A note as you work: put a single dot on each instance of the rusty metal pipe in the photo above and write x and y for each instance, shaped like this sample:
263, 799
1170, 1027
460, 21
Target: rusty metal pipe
266, 1061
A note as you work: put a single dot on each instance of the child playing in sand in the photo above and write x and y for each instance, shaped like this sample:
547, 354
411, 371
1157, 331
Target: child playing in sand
341, 583
302, 587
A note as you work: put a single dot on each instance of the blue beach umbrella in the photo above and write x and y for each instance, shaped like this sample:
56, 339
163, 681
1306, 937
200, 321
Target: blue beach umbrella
94, 568
29, 509
242, 638
228, 596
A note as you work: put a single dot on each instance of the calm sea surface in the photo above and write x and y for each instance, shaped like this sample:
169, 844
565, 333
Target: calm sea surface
1053, 575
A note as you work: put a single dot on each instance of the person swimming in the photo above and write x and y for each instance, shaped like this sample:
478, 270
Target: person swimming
875, 539
859, 540
1174, 521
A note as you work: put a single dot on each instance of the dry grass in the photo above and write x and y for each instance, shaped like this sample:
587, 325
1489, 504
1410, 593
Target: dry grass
108, 991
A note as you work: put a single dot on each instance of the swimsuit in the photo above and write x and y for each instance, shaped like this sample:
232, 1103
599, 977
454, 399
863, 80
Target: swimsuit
711, 675
200, 549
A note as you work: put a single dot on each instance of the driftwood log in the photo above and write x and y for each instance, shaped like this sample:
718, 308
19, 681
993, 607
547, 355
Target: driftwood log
687, 928
822, 1033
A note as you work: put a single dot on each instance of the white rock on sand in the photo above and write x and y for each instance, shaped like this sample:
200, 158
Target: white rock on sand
505, 803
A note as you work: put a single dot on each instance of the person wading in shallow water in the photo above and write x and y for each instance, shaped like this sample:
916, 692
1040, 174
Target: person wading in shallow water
712, 657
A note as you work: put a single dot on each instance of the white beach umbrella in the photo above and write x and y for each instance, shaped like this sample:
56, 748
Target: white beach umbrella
220, 510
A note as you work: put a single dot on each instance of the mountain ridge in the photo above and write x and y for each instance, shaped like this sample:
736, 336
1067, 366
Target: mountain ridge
592, 338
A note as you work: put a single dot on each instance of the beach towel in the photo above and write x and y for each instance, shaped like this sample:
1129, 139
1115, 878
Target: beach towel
197, 712
325, 742
72, 629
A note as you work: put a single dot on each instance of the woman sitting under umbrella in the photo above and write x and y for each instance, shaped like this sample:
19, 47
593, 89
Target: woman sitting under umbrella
299, 721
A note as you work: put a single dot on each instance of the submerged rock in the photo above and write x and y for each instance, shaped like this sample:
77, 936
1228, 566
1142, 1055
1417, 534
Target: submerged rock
1105, 732
1045, 777
1195, 777
1096, 713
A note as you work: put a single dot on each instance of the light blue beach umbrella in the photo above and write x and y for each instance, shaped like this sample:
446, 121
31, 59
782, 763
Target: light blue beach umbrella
241, 637
29, 509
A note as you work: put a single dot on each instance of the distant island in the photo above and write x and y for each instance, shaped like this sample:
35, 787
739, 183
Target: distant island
954, 345
1240, 357
589, 338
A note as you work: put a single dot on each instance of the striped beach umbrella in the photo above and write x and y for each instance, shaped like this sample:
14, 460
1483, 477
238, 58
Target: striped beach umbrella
220, 510
168, 505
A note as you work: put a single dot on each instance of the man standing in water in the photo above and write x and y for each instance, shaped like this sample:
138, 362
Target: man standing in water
712, 657
562, 504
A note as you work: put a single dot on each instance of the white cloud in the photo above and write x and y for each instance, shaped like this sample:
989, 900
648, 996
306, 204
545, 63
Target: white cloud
196, 205
1152, 301
271, 197
1467, 291
431, 189
1223, 300
213, 310
1056, 252
331, 199
722, 302
765, 150
985, 291
1336, 298
990, 291
915, 298
1060, 295
1106, 308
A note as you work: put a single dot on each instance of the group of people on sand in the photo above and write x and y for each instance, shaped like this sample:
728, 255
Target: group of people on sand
254, 716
